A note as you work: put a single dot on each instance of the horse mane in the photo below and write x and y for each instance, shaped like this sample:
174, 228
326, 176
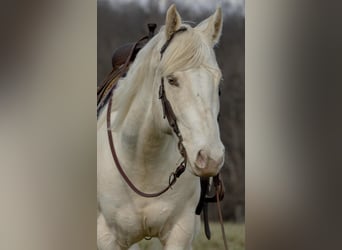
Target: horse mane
187, 50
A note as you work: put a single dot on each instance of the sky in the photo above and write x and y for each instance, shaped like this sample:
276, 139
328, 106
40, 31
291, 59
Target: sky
198, 6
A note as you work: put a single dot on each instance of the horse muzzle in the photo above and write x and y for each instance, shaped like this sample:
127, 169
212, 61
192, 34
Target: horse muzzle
206, 166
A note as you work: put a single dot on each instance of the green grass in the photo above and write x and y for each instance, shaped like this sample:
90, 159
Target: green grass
235, 234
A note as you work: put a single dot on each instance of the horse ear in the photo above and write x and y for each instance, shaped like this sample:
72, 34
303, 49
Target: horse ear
212, 26
173, 21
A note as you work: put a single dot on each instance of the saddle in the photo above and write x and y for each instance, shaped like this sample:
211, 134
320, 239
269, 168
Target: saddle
121, 60
122, 53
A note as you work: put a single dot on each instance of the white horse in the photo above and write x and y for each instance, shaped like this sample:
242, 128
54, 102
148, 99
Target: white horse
146, 145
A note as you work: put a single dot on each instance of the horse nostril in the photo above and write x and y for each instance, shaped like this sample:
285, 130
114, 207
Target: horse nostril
202, 159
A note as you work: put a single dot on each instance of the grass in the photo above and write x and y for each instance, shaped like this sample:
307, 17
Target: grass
235, 234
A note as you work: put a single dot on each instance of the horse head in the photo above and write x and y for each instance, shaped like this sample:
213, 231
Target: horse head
190, 77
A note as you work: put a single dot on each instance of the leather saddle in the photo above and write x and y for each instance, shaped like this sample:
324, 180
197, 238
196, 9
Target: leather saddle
121, 60
122, 53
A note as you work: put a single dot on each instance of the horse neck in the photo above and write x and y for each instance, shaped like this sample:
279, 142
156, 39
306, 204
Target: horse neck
142, 135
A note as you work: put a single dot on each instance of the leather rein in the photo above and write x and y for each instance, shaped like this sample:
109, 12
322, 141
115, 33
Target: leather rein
107, 94
171, 118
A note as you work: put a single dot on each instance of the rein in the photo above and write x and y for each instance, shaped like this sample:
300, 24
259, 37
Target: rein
105, 94
171, 117
173, 176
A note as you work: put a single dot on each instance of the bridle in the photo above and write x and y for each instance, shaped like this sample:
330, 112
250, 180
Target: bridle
172, 120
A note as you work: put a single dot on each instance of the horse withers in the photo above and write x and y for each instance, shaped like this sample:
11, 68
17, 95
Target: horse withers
147, 147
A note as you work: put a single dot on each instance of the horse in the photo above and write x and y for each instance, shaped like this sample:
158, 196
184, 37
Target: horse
181, 61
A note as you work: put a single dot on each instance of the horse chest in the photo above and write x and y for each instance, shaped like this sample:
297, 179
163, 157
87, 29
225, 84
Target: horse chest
139, 217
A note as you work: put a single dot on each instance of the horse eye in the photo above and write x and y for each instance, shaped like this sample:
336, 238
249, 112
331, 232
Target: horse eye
172, 81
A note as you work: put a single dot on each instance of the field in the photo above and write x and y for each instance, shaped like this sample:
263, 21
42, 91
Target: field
235, 234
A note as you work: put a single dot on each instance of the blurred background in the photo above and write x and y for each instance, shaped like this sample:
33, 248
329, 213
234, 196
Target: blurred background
48, 71
120, 22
